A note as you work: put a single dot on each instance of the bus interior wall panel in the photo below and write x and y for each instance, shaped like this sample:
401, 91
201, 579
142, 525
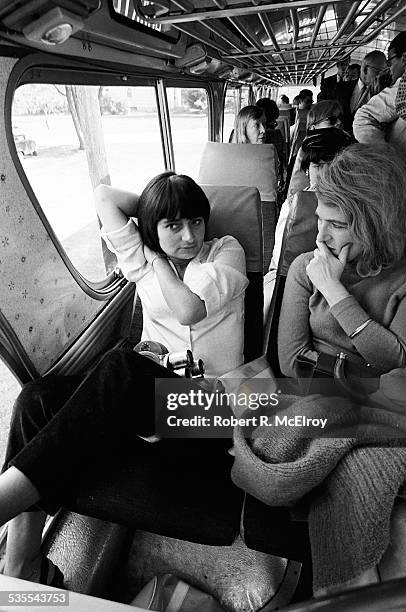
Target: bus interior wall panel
44, 305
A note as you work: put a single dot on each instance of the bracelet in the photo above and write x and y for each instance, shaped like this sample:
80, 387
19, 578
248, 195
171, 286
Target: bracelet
360, 328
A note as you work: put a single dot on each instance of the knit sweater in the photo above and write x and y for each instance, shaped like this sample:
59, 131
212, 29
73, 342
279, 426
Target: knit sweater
350, 482
308, 324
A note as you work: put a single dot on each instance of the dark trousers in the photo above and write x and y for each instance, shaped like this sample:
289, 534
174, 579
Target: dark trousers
62, 424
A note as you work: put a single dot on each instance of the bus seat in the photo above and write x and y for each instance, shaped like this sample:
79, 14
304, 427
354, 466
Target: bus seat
250, 165
234, 210
286, 112
300, 231
299, 237
265, 528
283, 122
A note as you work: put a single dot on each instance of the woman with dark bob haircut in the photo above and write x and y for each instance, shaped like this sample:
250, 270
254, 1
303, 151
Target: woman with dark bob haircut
167, 196
192, 293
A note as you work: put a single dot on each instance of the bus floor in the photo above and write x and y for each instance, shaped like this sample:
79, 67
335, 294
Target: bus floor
110, 561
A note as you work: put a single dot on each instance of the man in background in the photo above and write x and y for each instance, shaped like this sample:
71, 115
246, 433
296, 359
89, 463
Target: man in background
353, 94
329, 85
352, 73
379, 120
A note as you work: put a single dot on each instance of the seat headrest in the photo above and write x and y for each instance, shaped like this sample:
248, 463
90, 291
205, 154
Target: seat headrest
240, 164
300, 230
236, 211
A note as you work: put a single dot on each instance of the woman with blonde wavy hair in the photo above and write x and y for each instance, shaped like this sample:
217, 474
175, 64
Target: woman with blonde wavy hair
349, 294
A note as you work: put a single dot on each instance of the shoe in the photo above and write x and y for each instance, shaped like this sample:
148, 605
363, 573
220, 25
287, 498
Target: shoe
50, 574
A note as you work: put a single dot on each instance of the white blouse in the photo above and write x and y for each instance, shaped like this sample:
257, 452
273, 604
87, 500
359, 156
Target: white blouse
216, 275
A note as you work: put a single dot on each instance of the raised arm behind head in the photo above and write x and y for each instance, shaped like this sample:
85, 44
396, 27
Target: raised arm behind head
115, 206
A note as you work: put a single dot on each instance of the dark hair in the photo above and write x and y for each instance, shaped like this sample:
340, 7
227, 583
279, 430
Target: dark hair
398, 44
354, 67
165, 197
323, 145
305, 93
285, 99
270, 109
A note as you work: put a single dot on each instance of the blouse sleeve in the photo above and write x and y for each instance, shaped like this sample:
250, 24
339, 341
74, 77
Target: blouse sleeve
222, 278
294, 334
383, 348
126, 244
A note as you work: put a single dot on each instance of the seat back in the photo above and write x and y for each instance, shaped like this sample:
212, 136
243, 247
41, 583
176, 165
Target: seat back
249, 165
299, 237
298, 131
236, 211
283, 122
300, 230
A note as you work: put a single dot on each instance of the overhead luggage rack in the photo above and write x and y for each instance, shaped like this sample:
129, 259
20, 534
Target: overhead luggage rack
279, 43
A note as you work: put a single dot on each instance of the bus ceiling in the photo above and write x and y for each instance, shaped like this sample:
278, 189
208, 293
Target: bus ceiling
263, 42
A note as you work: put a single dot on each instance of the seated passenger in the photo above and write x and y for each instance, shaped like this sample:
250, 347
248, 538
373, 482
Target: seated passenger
317, 150
192, 294
298, 130
348, 295
273, 135
295, 106
323, 115
249, 127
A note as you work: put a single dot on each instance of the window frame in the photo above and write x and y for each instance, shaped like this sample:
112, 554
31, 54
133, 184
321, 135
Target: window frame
167, 84
46, 69
50, 70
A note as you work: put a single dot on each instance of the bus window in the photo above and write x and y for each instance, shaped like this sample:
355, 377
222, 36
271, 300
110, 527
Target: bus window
231, 107
188, 108
236, 99
69, 139
9, 389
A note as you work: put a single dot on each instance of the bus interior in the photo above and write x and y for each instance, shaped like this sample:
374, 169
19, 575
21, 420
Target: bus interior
113, 92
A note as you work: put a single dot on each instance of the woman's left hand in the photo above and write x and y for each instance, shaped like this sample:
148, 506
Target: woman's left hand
325, 270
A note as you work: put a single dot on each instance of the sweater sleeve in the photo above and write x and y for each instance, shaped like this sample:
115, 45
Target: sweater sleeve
383, 348
294, 333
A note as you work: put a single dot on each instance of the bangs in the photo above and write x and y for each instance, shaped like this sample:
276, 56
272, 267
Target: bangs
183, 198
169, 196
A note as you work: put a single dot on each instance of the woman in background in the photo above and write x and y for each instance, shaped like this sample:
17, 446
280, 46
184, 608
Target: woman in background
249, 126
